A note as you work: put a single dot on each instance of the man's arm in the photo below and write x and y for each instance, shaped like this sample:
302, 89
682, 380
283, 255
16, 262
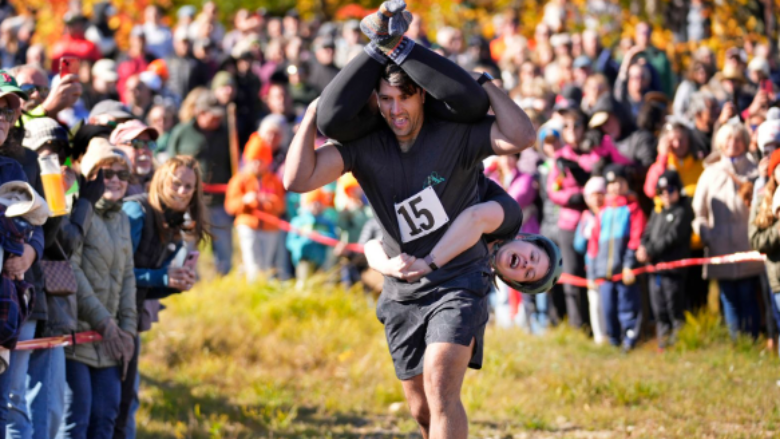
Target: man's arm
512, 131
308, 169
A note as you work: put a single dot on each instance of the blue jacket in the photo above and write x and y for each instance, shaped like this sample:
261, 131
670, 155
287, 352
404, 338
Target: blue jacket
615, 237
303, 248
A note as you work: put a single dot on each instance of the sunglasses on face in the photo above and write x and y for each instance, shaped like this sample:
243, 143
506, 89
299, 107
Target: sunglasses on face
7, 114
109, 174
669, 190
42, 90
141, 144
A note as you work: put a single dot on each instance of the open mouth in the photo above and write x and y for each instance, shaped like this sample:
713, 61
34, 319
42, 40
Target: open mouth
400, 123
514, 261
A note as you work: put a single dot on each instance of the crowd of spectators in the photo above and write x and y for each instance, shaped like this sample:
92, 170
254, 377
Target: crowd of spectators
181, 138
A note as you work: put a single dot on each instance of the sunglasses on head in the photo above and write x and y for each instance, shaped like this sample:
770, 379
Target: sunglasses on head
41, 89
108, 174
140, 144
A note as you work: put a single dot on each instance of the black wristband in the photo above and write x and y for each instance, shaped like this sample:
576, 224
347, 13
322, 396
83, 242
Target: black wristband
484, 77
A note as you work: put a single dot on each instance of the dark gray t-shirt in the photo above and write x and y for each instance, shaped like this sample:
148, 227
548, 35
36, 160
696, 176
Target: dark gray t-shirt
446, 156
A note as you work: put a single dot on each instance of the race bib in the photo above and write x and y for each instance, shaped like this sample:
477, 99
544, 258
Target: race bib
420, 215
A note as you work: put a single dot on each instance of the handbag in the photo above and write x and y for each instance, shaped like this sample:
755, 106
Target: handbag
58, 276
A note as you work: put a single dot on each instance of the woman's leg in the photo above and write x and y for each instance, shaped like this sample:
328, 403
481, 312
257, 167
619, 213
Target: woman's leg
107, 392
573, 264
79, 398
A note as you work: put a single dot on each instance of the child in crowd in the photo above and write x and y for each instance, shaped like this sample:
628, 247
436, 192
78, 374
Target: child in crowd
307, 254
595, 190
353, 213
611, 250
252, 193
665, 239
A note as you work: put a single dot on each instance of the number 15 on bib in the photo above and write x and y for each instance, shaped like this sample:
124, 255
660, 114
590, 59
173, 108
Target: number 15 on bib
420, 215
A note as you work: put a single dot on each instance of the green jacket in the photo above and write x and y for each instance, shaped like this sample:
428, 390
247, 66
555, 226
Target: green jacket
103, 265
766, 241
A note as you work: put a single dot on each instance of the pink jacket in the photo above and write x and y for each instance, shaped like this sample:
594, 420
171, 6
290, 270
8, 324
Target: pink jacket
560, 187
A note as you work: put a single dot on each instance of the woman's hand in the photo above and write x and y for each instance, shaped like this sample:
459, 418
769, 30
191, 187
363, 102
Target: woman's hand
416, 270
396, 267
181, 278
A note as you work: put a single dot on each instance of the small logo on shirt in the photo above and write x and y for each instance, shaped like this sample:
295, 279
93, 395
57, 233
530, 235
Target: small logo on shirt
433, 180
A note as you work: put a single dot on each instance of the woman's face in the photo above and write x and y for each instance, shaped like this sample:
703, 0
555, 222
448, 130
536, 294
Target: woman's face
733, 147
678, 143
522, 261
116, 185
179, 188
573, 130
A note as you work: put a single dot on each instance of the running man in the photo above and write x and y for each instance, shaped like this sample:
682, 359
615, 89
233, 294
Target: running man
418, 171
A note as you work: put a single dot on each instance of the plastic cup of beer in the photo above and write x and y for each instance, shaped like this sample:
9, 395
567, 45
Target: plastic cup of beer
53, 184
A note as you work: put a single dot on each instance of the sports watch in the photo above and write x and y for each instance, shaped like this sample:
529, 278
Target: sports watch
429, 260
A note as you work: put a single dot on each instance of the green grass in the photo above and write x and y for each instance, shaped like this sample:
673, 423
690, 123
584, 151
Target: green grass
231, 360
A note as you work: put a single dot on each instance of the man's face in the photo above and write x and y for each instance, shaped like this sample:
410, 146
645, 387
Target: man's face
37, 95
7, 120
403, 112
209, 121
705, 119
669, 196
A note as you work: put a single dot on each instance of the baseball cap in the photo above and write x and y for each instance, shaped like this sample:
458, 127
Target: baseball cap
186, 11
112, 108
124, 132
9, 87
669, 179
74, 17
159, 67
207, 102
105, 69
40, 130
581, 62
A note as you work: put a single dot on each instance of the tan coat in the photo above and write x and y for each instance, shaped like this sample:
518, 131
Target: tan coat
721, 216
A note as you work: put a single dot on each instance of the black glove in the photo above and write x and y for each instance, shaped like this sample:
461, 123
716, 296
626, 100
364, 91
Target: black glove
92, 190
576, 201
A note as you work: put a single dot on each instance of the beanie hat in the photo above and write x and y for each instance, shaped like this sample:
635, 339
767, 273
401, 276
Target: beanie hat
595, 185
774, 160
669, 179
256, 149
98, 150
768, 132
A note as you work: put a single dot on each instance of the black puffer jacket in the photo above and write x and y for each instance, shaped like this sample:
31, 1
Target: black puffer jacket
667, 235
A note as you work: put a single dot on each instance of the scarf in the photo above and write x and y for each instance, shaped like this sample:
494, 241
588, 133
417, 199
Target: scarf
105, 207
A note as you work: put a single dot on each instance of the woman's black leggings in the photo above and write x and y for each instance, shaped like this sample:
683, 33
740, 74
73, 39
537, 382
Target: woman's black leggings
343, 112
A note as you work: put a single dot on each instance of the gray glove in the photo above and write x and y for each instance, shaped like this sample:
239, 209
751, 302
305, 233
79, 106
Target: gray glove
128, 350
112, 344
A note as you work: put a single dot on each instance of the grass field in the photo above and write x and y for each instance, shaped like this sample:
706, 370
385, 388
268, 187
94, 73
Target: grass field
230, 360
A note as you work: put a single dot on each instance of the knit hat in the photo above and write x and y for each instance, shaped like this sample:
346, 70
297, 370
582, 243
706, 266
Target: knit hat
100, 149
256, 149
768, 132
774, 160
159, 67
40, 130
221, 79
595, 185
315, 196
669, 179
127, 131
613, 171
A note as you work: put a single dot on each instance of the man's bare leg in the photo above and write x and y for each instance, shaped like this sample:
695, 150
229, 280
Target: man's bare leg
443, 371
414, 390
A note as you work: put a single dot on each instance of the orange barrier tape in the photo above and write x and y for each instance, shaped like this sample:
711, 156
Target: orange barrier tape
753, 256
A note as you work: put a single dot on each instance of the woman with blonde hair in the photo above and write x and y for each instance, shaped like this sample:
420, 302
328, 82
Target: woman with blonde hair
721, 210
158, 221
764, 233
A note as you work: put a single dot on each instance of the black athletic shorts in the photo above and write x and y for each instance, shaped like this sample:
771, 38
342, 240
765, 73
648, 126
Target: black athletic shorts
456, 313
